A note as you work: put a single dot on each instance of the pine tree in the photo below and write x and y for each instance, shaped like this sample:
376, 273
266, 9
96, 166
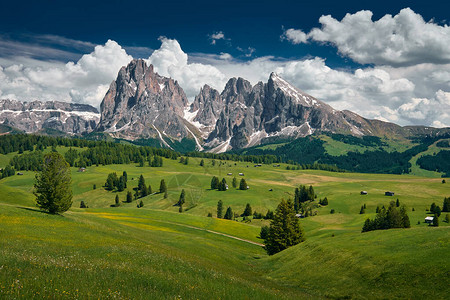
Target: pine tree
141, 183
437, 211
223, 185
82, 204
285, 230
117, 201
182, 199
397, 203
229, 214
446, 205
247, 210
435, 220
162, 186
53, 184
264, 232
121, 184
94, 187
214, 183
141, 203
109, 185
243, 184
432, 207
129, 197
125, 175
202, 163
405, 219
144, 191
297, 199
220, 209
362, 210
234, 182
368, 226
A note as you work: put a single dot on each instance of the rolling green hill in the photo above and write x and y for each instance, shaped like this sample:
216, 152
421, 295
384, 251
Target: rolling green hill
155, 252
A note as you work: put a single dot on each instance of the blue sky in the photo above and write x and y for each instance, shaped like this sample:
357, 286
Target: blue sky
367, 70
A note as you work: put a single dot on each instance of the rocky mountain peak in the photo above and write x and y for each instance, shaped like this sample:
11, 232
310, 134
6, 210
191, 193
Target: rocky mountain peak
141, 104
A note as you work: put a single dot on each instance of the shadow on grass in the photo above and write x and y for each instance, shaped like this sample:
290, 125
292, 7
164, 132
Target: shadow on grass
39, 211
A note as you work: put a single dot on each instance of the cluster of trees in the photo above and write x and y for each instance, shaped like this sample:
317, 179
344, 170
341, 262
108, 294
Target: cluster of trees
113, 181
31, 161
439, 162
143, 189
393, 217
314, 166
284, 230
216, 184
184, 160
248, 211
303, 194
7, 171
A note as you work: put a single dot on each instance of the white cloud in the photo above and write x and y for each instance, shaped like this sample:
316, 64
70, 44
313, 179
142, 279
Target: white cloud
81, 81
417, 95
295, 36
217, 36
171, 61
403, 39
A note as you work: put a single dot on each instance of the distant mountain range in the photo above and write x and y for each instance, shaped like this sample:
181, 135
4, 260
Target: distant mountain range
140, 105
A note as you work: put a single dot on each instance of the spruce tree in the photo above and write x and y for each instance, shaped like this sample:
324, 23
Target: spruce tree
437, 211
182, 198
229, 214
285, 230
435, 220
247, 210
121, 184
129, 197
149, 190
53, 184
446, 205
162, 186
362, 210
202, 163
397, 203
220, 209
117, 202
234, 182
432, 207
82, 204
243, 184
215, 183
141, 183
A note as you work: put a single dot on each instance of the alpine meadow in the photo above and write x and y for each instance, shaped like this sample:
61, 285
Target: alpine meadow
224, 150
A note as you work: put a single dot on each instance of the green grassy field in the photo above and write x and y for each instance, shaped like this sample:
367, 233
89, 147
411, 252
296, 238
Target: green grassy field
155, 252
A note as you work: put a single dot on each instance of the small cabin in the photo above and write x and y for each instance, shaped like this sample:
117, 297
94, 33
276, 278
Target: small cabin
363, 193
389, 193
299, 215
429, 220
19, 173
230, 174
82, 170
241, 174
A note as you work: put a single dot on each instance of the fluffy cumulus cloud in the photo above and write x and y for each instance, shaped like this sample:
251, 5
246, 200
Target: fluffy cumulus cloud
403, 39
408, 95
171, 61
84, 81
295, 36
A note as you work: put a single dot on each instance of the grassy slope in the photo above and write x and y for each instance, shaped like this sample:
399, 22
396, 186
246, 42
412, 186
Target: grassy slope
159, 237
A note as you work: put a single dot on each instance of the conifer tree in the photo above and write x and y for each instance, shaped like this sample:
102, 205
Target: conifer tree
285, 230
220, 209
214, 183
149, 190
82, 204
129, 197
53, 184
141, 183
362, 210
162, 186
432, 207
435, 220
397, 203
243, 184
182, 198
117, 203
446, 205
234, 182
229, 214
247, 210
202, 163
